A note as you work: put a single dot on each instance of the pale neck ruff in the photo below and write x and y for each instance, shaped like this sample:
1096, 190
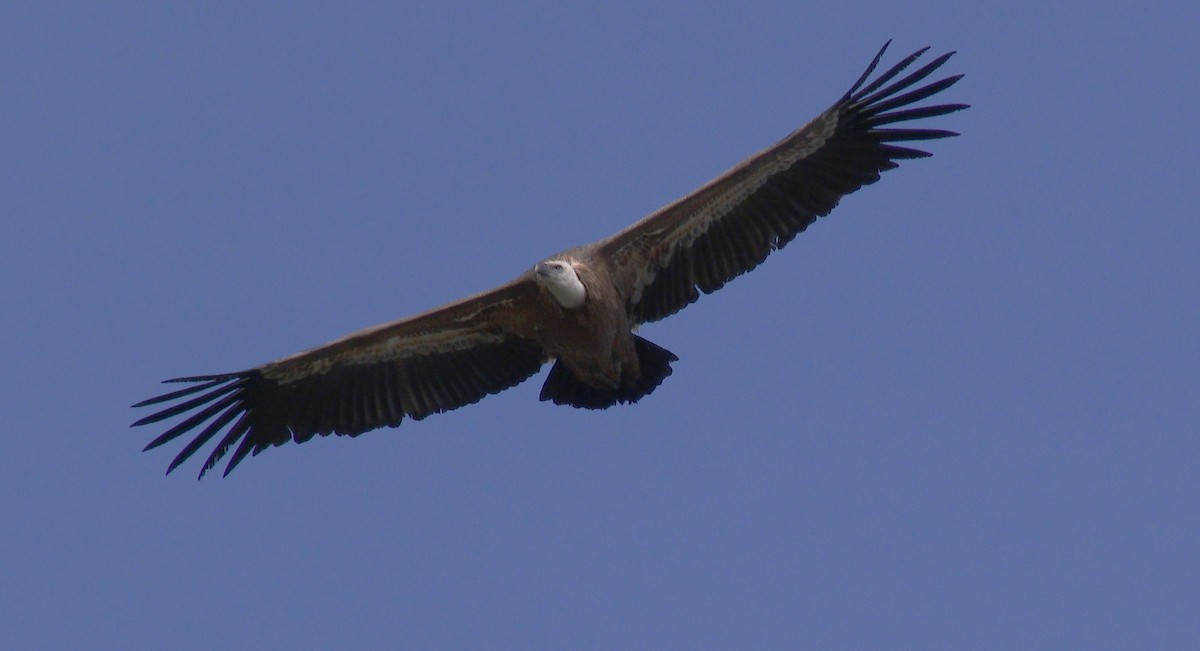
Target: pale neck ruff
567, 289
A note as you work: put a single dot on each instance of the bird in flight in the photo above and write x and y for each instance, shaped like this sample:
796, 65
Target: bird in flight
578, 308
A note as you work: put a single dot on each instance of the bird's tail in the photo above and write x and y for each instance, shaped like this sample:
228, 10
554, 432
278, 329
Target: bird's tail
563, 388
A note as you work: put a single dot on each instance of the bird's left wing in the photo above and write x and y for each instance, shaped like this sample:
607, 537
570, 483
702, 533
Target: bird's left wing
433, 362
729, 226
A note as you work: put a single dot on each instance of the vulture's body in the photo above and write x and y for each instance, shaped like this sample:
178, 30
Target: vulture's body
579, 308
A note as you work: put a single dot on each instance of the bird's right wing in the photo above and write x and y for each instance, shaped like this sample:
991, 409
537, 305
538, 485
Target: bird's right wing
433, 362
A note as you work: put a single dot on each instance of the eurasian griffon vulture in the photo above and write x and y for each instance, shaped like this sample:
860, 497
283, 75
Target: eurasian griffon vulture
578, 308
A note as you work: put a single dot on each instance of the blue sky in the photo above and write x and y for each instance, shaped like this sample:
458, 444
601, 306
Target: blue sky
958, 413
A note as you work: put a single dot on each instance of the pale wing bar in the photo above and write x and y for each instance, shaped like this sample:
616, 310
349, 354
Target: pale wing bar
851, 156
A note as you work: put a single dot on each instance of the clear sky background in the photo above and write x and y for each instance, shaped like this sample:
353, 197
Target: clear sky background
961, 412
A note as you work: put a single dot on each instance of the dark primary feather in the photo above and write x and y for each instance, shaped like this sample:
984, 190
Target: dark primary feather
348, 399
739, 237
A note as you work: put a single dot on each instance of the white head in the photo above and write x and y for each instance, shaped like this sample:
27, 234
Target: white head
560, 278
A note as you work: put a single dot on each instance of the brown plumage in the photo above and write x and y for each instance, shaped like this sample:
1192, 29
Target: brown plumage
579, 307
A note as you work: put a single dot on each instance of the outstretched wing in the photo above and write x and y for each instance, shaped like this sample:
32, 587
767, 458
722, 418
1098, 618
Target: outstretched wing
433, 362
733, 223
